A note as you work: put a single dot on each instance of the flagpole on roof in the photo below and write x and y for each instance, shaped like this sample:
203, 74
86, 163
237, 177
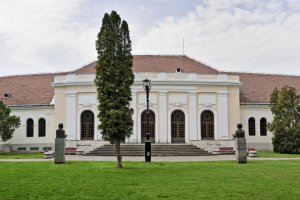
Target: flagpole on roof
183, 46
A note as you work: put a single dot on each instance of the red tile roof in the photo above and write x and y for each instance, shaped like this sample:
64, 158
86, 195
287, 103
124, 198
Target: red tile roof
27, 89
157, 63
257, 88
36, 89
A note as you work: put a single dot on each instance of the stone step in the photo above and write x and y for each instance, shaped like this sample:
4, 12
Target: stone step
156, 150
153, 147
153, 153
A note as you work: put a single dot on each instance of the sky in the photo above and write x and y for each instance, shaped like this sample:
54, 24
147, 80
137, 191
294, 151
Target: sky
39, 36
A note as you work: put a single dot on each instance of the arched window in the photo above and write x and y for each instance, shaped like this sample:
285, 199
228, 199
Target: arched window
29, 127
151, 126
207, 125
87, 125
177, 127
263, 126
251, 126
42, 127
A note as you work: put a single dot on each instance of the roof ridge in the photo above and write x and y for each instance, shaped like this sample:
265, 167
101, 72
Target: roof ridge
81, 66
36, 74
262, 73
158, 55
199, 61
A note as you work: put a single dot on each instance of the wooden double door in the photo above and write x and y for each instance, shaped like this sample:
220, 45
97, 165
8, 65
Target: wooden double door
207, 125
178, 127
87, 125
151, 126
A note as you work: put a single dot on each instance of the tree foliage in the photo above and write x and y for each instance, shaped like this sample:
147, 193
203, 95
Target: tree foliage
286, 123
113, 80
8, 124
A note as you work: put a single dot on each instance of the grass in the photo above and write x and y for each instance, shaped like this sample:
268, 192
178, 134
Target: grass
271, 154
18, 155
138, 180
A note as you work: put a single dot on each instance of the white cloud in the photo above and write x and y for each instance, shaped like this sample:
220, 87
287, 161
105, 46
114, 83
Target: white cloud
239, 35
41, 35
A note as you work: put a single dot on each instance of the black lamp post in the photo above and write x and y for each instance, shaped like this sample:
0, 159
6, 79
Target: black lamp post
147, 87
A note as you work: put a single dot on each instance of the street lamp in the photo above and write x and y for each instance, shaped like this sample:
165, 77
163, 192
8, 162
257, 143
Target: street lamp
147, 88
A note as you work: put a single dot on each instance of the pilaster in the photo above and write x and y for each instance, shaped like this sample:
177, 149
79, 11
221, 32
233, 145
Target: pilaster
163, 132
71, 116
193, 116
223, 115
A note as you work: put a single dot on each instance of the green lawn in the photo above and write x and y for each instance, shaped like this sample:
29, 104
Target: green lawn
138, 180
271, 154
18, 155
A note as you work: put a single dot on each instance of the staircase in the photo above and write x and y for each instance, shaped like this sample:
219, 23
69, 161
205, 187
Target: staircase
156, 150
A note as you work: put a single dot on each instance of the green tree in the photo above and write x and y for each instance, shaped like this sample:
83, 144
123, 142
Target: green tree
8, 124
113, 80
285, 126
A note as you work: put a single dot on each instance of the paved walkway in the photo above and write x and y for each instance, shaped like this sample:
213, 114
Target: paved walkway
141, 158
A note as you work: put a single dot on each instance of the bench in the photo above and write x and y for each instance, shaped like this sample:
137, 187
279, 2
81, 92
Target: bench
79, 152
224, 150
70, 150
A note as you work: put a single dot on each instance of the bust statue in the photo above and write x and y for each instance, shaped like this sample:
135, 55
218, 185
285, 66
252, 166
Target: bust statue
60, 133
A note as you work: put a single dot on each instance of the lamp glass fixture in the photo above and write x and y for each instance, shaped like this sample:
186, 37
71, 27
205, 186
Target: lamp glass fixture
147, 84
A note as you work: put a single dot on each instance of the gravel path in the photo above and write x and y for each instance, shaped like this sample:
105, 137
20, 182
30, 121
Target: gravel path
140, 158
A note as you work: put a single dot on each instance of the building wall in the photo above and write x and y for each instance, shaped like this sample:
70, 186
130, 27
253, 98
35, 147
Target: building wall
234, 114
60, 106
20, 138
70, 102
257, 112
189, 93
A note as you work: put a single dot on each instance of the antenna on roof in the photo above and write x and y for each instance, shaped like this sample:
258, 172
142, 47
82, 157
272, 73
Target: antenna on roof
183, 46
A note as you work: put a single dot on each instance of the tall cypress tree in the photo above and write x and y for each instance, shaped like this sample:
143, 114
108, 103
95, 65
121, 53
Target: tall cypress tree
113, 80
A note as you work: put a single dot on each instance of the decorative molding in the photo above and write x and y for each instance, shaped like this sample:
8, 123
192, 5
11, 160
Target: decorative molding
151, 105
87, 105
177, 104
71, 93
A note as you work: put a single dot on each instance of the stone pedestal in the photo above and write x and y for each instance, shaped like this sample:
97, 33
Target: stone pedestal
60, 144
240, 150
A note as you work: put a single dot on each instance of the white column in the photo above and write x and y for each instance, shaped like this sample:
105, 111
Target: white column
134, 137
163, 124
223, 115
193, 116
71, 116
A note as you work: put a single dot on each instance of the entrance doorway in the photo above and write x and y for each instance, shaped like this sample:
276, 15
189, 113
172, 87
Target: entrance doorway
87, 125
177, 127
151, 126
207, 125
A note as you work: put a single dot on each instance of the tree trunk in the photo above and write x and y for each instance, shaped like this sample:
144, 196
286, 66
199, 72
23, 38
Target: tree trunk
118, 152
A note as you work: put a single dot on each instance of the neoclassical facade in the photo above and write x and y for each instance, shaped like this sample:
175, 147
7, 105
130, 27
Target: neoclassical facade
189, 103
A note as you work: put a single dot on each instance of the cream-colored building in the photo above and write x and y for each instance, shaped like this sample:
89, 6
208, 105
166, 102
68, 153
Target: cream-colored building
190, 103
